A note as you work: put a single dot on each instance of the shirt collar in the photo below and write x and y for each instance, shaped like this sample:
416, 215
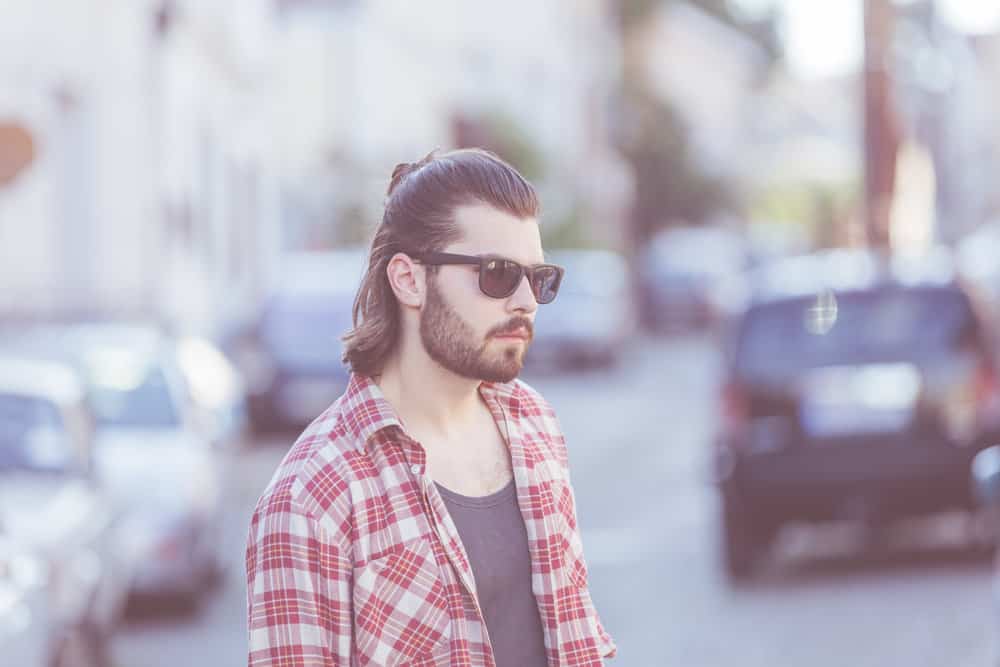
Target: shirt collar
366, 411
496, 390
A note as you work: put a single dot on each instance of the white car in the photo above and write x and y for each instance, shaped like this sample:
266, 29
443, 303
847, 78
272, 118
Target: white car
24, 622
592, 317
684, 275
152, 451
54, 513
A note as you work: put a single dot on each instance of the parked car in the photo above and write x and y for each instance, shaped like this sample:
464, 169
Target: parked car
855, 388
986, 489
290, 355
53, 514
976, 255
591, 319
152, 451
683, 273
216, 389
24, 595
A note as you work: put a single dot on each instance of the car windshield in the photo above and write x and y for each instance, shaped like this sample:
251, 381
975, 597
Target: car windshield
32, 435
132, 394
778, 340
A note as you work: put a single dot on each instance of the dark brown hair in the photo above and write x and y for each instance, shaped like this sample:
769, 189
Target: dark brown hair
419, 217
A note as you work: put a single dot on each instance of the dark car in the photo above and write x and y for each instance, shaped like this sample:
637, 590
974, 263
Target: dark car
860, 389
290, 356
986, 488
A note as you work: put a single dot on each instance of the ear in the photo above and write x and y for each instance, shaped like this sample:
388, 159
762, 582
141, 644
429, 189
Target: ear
407, 279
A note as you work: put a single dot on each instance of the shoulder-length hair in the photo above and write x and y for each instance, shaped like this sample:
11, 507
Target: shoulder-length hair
419, 217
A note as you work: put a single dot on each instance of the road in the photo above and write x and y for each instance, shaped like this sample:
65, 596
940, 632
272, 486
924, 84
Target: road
638, 439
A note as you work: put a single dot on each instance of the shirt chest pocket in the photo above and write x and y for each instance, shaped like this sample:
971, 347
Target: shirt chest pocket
400, 608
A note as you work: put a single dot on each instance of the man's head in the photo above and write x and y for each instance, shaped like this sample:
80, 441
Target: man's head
448, 265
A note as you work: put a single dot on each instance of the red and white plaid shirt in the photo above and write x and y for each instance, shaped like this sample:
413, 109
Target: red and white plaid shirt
353, 559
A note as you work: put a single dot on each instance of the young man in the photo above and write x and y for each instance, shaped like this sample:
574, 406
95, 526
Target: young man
427, 518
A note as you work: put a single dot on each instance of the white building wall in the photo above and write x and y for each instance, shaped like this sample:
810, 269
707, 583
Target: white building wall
66, 72
381, 82
163, 158
151, 193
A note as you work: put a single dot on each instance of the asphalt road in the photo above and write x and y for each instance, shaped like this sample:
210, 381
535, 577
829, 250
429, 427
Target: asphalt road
638, 438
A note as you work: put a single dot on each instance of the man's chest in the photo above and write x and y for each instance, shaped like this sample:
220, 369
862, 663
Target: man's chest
408, 547
477, 465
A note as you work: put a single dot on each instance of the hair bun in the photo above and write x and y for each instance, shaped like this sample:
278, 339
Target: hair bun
404, 169
399, 172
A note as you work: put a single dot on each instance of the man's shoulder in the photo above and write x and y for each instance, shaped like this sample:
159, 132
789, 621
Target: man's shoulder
315, 476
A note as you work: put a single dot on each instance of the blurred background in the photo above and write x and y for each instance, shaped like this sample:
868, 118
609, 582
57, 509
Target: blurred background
774, 355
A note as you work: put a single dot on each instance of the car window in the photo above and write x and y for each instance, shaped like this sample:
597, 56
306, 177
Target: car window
32, 435
132, 395
776, 340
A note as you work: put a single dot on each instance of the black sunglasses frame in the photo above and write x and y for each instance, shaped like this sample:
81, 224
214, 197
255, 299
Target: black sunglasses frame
442, 258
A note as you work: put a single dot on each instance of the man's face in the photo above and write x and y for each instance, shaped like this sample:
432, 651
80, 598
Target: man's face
465, 331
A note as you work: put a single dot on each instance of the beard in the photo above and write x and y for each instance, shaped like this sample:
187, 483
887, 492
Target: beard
452, 343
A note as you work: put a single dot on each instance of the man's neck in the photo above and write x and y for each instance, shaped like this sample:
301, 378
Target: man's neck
430, 399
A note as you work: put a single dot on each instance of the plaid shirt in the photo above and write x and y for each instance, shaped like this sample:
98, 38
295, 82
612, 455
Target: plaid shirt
353, 559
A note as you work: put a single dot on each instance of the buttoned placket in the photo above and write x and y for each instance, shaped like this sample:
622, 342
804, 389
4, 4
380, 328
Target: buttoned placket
441, 530
522, 469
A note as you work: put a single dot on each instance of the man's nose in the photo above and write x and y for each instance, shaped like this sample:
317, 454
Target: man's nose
523, 299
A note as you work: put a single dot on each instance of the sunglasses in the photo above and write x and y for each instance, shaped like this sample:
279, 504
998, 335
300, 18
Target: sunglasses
499, 277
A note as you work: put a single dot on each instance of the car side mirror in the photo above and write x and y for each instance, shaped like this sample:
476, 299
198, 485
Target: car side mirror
986, 477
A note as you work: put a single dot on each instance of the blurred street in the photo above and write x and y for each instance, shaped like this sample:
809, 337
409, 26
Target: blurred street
638, 438
775, 352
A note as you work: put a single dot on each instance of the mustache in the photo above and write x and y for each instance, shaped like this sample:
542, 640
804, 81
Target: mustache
514, 325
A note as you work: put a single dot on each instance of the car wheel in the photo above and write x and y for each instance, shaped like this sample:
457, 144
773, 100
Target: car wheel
742, 542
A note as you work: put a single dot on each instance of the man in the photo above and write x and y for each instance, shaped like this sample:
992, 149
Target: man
426, 518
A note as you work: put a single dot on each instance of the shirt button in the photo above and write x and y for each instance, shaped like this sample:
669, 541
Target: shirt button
415, 469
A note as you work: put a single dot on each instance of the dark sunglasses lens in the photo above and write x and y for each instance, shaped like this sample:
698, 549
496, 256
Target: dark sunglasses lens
545, 283
499, 278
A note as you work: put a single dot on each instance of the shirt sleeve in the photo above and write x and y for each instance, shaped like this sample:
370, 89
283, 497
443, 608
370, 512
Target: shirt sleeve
298, 590
607, 644
605, 641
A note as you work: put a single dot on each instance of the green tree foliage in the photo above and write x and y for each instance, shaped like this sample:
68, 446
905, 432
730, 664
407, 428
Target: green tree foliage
761, 29
499, 132
821, 209
563, 226
669, 184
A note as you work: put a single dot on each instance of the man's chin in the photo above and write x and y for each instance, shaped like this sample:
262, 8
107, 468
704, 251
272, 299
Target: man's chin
498, 374
502, 375
500, 379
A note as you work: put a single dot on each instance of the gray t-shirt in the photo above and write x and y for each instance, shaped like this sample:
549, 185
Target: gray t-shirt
493, 533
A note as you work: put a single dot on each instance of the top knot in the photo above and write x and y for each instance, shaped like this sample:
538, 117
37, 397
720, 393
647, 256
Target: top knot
404, 169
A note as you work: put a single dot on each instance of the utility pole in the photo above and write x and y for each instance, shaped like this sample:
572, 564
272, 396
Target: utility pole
17, 151
882, 134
